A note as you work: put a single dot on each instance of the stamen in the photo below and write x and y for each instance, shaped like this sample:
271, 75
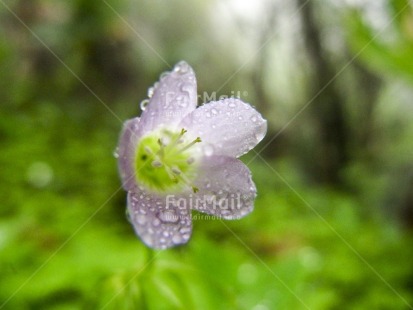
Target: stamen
157, 164
178, 139
148, 151
175, 170
195, 189
171, 175
161, 148
197, 140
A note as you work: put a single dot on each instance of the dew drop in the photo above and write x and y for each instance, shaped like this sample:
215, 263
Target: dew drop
260, 135
176, 238
141, 219
213, 126
168, 216
208, 149
150, 92
163, 75
240, 118
214, 111
116, 153
165, 234
185, 230
254, 119
144, 104
232, 105
182, 67
147, 238
208, 114
243, 212
156, 222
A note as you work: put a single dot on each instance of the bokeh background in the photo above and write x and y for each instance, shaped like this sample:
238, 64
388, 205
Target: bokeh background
332, 226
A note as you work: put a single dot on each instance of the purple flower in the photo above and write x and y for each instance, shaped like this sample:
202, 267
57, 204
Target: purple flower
177, 157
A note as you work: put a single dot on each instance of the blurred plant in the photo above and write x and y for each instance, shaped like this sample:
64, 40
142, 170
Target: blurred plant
392, 51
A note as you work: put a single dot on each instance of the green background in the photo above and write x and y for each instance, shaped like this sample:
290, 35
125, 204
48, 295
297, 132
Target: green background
332, 225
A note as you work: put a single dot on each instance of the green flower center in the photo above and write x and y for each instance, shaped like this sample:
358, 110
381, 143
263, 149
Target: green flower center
164, 161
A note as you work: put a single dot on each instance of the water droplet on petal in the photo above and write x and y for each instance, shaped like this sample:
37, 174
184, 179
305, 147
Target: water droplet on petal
254, 118
144, 104
185, 230
208, 149
163, 75
214, 111
232, 105
240, 118
208, 114
182, 67
116, 153
156, 222
168, 216
176, 238
150, 92
141, 219
261, 133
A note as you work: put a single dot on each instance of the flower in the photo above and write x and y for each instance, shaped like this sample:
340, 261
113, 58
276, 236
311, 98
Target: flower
177, 157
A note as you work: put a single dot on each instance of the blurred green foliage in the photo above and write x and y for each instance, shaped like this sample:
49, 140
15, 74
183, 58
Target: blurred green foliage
65, 242
392, 54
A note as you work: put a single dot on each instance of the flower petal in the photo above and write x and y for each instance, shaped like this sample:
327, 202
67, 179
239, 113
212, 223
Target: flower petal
227, 127
225, 188
174, 96
126, 153
158, 223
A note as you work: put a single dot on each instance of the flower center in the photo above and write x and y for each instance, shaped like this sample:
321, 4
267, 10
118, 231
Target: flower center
164, 161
